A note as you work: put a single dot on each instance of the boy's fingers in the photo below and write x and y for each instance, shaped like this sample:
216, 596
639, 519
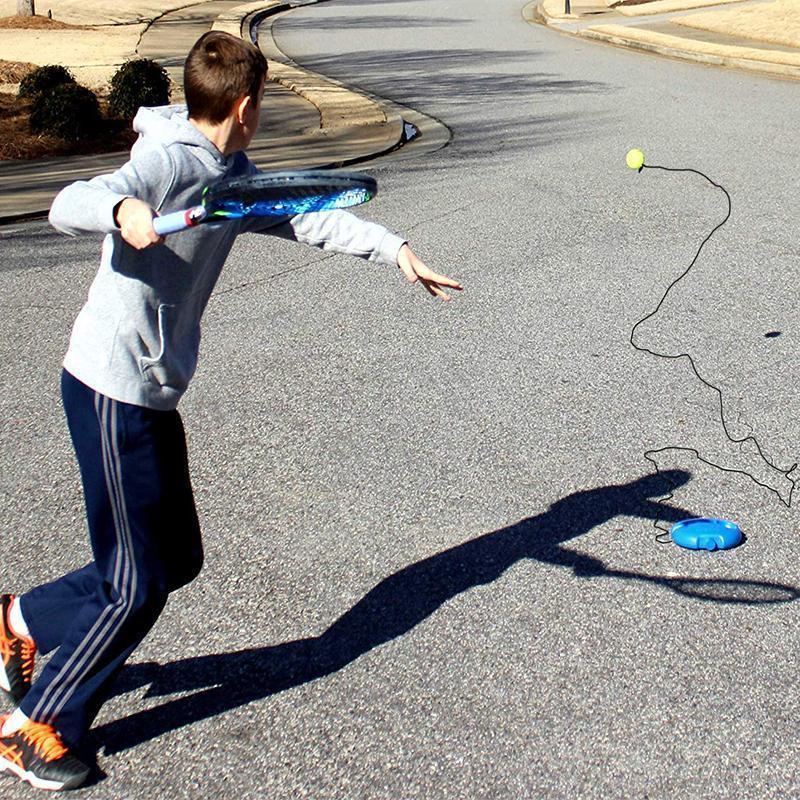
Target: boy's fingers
435, 290
416, 270
442, 280
143, 242
136, 239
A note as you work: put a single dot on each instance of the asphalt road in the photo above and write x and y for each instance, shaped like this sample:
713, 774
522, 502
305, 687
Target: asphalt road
431, 562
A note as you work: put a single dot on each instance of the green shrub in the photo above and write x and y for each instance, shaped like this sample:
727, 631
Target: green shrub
141, 82
43, 80
69, 111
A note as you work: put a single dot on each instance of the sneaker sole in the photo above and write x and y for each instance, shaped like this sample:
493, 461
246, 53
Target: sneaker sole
38, 783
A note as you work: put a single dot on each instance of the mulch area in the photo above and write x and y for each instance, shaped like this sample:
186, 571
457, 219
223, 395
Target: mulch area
14, 71
37, 22
18, 142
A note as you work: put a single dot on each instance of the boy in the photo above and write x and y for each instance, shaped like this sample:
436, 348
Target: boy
131, 356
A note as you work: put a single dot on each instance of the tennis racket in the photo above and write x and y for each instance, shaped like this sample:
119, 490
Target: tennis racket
270, 194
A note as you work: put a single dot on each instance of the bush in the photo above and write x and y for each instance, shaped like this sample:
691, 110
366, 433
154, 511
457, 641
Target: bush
68, 111
43, 80
141, 82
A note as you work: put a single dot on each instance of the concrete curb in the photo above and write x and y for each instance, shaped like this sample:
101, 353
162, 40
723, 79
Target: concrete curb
232, 21
331, 97
697, 55
337, 104
648, 42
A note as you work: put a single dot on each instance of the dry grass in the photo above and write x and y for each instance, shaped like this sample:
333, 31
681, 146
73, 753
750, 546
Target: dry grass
634, 9
777, 22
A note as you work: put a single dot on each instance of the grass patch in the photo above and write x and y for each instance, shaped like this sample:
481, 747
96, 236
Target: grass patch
777, 22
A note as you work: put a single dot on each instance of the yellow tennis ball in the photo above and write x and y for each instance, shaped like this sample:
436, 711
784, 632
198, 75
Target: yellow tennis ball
635, 158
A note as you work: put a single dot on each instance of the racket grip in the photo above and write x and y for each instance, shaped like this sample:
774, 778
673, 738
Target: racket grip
178, 220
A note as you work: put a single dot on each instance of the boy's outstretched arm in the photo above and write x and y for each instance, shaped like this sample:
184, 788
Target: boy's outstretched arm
415, 271
341, 231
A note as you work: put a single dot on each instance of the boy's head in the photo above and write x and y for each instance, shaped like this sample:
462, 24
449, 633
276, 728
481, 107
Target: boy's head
220, 70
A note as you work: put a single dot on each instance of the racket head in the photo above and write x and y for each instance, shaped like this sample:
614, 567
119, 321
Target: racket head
285, 194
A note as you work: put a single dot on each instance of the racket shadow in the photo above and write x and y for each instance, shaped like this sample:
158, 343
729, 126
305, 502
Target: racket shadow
719, 590
212, 684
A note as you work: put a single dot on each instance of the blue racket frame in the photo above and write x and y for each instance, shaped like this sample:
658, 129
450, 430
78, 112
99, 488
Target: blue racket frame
272, 194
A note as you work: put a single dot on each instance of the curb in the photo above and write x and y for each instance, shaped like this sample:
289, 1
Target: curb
535, 13
730, 59
411, 131
337, 104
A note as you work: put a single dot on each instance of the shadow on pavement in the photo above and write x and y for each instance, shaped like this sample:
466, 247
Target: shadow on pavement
491, 100
401, 601
457, 76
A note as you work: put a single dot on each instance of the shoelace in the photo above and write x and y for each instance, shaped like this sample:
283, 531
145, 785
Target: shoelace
27, 653
10, 752
6, 648
44, 739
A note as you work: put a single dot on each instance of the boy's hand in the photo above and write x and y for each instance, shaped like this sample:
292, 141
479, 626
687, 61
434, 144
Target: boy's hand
415, 270
135, 220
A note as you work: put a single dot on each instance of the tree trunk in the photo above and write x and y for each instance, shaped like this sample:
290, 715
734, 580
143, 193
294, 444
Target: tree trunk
25, 8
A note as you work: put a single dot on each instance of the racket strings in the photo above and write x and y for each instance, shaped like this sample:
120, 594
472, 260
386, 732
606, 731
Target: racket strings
287, 195
301, 203
663, 534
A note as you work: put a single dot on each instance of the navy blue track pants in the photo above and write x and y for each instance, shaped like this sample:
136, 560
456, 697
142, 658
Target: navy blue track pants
145, 539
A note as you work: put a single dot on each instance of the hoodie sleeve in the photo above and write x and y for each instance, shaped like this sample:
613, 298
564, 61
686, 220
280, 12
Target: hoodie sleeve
88, 206
340, 232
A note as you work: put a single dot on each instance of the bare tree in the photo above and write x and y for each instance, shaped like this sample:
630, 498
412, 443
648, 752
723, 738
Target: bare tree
25, 8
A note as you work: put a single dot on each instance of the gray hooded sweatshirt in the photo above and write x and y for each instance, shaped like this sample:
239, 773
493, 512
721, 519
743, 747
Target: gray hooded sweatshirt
137, 338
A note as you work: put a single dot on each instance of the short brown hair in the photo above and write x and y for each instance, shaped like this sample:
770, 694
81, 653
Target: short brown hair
220, 69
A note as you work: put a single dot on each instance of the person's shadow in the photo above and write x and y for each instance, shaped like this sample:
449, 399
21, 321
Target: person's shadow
401, 601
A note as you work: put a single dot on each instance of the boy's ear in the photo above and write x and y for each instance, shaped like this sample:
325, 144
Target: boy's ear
241, 108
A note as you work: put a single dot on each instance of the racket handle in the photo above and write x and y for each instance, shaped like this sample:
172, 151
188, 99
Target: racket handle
178, 220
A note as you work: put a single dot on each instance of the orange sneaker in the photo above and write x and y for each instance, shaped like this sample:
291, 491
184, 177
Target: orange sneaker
18, 652
36, 754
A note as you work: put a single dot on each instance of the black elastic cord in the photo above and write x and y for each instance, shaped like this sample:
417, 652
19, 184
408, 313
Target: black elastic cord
663, 536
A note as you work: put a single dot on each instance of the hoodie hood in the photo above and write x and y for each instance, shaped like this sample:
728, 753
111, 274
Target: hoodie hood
169, 125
